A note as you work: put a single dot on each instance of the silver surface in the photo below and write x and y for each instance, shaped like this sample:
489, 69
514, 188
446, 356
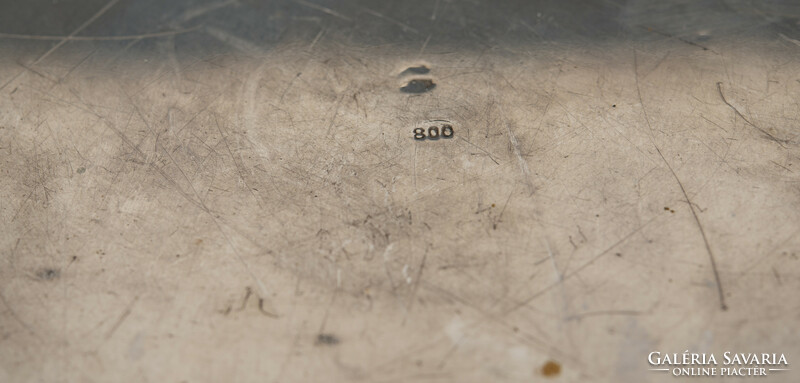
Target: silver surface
200, 191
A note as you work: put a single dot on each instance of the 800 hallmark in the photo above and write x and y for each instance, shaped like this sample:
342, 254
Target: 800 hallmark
434, 132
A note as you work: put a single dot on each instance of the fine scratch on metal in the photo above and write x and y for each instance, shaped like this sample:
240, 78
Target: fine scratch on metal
559, 277
483, 150
234, 41
83, 26
735, 110
575, 272
789, 39
711, 258
323, 9
122, 317
100, 38
404, 26
523, 165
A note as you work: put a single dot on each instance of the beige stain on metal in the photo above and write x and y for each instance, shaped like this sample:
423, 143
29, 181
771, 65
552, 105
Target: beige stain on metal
265, 214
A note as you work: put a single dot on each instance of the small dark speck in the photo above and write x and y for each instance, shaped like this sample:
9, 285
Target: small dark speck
619, 254
666, 208
422, 69
327, 339
81, 170
614, 106
48, 274
418, 86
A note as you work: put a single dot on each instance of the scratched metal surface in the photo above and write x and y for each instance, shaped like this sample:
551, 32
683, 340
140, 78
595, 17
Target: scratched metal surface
231, 191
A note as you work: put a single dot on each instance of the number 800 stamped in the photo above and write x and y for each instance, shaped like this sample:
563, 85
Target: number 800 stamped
435, 130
